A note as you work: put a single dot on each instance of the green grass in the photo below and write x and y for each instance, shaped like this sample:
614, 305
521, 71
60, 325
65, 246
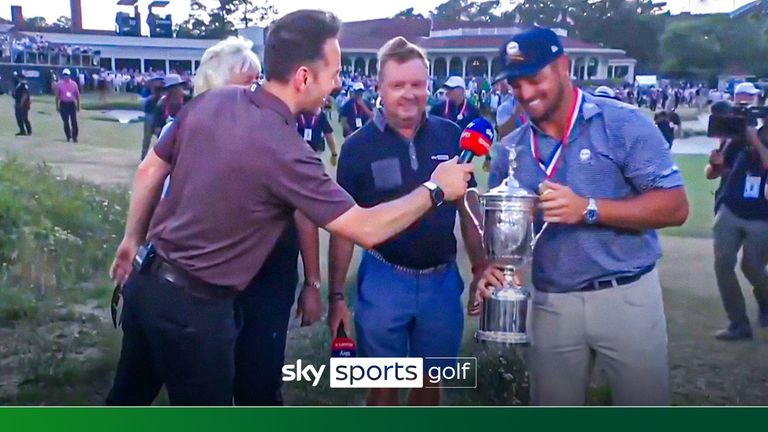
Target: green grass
700, 193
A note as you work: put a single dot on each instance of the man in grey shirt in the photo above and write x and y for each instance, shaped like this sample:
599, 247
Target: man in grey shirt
607, 182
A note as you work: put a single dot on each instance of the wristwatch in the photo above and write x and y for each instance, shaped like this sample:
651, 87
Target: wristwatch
590, 214
435, 193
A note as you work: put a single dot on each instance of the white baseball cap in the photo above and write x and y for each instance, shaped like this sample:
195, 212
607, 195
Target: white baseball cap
455, 82
66, 72
746, 88
358, 86
605, 91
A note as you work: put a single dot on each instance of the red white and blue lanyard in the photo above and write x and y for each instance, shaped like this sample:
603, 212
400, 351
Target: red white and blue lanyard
550, 166
304, 122
463, 109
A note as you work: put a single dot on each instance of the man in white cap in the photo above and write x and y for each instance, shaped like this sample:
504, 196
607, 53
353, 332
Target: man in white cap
68, 104
741, 220
745, 94
606, 92
356, 111
456, 107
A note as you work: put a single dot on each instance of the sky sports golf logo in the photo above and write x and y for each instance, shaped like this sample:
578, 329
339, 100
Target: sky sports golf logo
394, 372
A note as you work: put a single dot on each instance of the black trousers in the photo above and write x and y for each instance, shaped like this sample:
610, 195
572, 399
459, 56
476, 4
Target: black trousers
68, 112
176, 339
22, 120
266, 308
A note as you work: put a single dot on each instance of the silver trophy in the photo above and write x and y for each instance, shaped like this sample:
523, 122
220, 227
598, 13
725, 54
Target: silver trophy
506, 225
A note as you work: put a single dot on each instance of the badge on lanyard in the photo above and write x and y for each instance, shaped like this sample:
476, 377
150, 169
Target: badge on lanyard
752, 187
358, 122
460, 117
308, 135
68, 94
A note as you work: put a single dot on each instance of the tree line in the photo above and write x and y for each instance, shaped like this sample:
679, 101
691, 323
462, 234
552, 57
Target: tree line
679, 46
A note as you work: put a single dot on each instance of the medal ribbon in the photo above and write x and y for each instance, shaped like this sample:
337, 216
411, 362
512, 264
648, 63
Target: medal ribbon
550, 166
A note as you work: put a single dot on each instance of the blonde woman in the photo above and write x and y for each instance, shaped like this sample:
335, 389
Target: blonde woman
229, 62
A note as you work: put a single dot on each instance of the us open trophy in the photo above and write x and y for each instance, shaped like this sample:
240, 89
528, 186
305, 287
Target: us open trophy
506, 225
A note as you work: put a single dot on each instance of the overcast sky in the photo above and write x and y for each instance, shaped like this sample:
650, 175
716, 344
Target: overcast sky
100, 14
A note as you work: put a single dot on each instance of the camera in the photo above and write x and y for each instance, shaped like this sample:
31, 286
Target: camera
731, 121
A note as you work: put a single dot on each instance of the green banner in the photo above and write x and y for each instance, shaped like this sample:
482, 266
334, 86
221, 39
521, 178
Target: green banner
374, 419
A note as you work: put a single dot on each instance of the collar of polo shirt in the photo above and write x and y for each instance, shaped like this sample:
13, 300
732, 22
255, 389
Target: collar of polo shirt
589, 109
264, 99
380, 120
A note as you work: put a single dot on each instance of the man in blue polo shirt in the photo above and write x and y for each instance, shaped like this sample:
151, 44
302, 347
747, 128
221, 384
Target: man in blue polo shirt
409, 288
456, 107
317, 131
607, 182
355, 112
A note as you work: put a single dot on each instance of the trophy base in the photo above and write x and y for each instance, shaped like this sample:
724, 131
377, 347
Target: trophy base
502, 337
505, 314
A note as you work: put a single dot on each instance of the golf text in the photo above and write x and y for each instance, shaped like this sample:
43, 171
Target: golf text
392, 372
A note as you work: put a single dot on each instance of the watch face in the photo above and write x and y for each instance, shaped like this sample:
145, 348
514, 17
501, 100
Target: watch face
591, 215
438, 197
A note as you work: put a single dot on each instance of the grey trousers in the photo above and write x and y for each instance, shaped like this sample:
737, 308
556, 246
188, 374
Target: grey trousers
732, 233
621, 329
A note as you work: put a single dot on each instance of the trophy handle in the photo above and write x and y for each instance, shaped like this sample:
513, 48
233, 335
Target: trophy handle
475, 219
536, 237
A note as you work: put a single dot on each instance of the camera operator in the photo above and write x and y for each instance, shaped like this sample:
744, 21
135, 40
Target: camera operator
741, 217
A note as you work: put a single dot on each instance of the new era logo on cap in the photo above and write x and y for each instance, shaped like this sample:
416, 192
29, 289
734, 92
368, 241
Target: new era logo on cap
526, 53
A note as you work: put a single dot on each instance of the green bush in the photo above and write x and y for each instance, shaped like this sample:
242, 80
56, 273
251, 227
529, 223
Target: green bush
57, 239
55, 233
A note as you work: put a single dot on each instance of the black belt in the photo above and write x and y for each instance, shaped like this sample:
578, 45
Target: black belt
601, 284
191, 284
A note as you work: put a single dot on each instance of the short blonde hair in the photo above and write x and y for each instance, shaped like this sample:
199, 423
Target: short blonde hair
400, 50
221, 61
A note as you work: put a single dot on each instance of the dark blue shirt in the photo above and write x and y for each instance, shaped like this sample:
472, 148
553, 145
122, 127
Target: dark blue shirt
318, 125
377, 164
734, 194
614, 152
351, 112
446, 109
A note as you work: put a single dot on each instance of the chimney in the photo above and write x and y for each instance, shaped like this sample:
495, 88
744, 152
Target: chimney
17, 17
77, 15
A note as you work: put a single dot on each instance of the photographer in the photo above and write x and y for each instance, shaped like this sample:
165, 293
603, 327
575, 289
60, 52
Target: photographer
741, 220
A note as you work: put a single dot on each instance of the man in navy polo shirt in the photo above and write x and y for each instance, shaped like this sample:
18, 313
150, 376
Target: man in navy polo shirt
456, 107
409, 288
741, 220
607, 182
317, 131
355, 112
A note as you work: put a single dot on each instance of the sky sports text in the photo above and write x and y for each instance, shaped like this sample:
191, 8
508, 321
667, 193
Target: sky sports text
394, 372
